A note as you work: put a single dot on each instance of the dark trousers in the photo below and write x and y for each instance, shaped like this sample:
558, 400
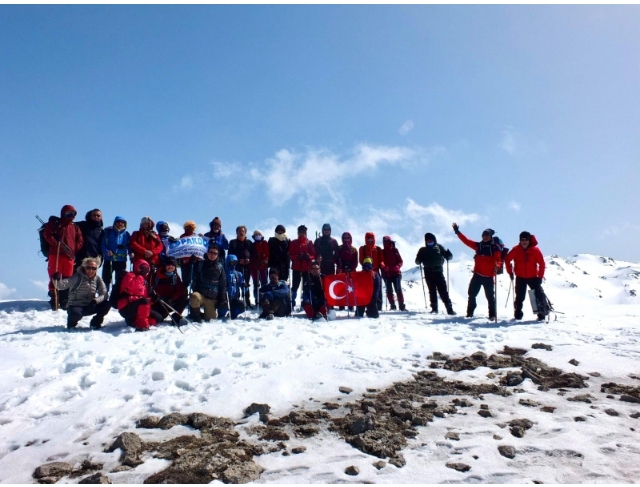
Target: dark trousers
246, 275
298, 277
109, 267
378, 296
75, 313
478, 281
521, 293
370, 309
283, 272
187, 272
277, 307
438, 285
327, 268
179, 305
259, 278
139, 314
392, 283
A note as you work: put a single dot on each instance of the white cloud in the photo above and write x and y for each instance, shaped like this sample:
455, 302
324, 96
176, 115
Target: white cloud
5, 291
439, 217
406, 127
517, 144
514, 206
508, 143
44, 285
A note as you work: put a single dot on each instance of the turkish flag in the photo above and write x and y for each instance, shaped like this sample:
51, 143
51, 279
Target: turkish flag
353, 289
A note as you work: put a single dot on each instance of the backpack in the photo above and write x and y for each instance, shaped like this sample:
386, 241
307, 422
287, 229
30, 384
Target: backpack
115, 295
503, 252
540, 306
45, 247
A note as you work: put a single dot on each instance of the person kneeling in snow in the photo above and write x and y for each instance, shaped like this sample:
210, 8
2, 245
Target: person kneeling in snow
209, 286
372, 307
275, 297
167, 292
235, 289
313, 300
134, 304
83, 287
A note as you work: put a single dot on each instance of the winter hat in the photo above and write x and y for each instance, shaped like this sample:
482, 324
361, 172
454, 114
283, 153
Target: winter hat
162, 226
525, 234
346, 235
120, 219
190, 225
429, 236
273, 271
67, 209
326, 226
302, 229
489, 232
386, 240
257, 232
170, 261
281, 227
367, 260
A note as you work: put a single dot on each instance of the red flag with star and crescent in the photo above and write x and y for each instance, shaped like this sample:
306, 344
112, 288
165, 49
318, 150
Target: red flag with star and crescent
353, 289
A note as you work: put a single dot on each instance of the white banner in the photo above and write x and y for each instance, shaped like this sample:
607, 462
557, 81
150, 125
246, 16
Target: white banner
188, 246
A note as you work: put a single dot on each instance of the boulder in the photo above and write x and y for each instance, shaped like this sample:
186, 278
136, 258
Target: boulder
53, 469
507, 451
96, 478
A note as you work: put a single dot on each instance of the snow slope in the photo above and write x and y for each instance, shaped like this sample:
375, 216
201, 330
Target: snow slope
66, 395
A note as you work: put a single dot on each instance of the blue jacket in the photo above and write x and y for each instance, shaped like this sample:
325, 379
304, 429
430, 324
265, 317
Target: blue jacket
116, 242
235, 281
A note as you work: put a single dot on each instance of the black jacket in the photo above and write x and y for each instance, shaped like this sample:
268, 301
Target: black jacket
92, 233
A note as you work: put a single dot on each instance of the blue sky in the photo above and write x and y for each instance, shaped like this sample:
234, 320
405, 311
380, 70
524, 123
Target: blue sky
383, 118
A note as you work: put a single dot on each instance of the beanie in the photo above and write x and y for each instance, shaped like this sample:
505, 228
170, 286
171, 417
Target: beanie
326, 226
145, 219
257, 232
429, 236
489, 232
281, 227
169, 261
302, 229
189, 225
525, 234
367, 260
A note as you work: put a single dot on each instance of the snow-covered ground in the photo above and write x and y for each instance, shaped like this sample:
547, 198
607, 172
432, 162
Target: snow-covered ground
66, 395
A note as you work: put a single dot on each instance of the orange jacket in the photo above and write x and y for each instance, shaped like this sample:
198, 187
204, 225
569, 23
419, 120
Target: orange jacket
487, 256
528, 262
139, 243
372, 251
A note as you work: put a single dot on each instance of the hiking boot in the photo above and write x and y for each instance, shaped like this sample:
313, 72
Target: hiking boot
450, 310
350, 308
319, 316
540, 317
402, 307
469, 315
142, 329
270, 316
195, 315
341, 308
434, 311
175, 319
95, 323
492, 318
393, 306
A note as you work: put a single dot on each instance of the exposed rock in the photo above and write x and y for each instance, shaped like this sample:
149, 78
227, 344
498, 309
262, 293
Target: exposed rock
380, 464
574, 362
438, 356
274, 434
485, 413
345, 390
262, 409
360, 424
586, 398
613, 388
96, 478
331, 406
594, 374
628, 398
462, 403
517, 427
200, 420
497, 437
53, 469
306, 431
612, 412
242, 473
529, 403
507, 451
452, 435
635, 415
460, 467
352, 470
148, 422
484, 406
550, 377
398, 460
299, 449
541, 346
547, 409
128, 442
512, 379
121, 468
513, 351
579, 419
171, 420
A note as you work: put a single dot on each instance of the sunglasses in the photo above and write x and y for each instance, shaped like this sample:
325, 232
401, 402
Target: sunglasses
91, 268
70, 214
213, 252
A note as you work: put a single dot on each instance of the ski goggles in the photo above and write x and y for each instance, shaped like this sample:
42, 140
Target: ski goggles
70, 214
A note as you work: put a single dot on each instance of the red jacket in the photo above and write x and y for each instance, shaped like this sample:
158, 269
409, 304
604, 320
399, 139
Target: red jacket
67, 231
168, 288
392, 260
372, 251
133, 286
260, 255
487, 256
141, 242
528, 262
298, 250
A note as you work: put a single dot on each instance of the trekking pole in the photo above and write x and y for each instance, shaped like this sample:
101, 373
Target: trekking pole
424, 294
55, 284
447, 274
495, 297
508, 294
346, 286
168, 309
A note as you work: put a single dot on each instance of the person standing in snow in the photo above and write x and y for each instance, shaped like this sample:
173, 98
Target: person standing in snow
391, 273
275, 297
371, 309
145, 244
87, 294
242, 248
92, 233
302, 253
487, 261
326, 248
187, 263
163, 232
529, 267
235, 290
279, 252
259, 263
65, 241
313, 299
346, 259
218, 238
374, 252
431, 257
115, 248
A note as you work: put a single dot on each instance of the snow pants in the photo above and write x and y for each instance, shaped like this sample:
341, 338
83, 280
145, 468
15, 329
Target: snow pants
370, 309
197, 300
277, 307
438, 285
521, 293
478, 281
390, 283
109, 267
179, 305
298, 277
259, 278
100, 310
139, 314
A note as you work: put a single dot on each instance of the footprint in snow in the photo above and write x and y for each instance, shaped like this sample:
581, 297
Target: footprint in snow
29, 372
179, 365
155, 376
184, 385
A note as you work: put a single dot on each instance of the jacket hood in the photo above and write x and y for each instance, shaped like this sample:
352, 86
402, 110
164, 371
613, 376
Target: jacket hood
387, 242
89, 220
369, 235
66, 209
161, 224
430, 236
215, 220
138, 263
533, 241
146, 218
120, 219
326, 226
231, 258
346, 235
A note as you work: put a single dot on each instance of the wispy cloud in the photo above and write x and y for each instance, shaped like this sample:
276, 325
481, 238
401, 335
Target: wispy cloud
514, 206
44, 285
517, 144
406, 127
438, 218
508, 142
6, 291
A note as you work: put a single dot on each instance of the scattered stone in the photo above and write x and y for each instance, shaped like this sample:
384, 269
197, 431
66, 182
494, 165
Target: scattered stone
241, 473
579, 419
594, 374
462, 403
372, 390
451, 435
586, 398
529, 403
484, 406
537, 482
352, 470
574, 362
398, 460
149, 422
121, 468
512, 379
507, 451
612, 412
542, 346
299, 449
171, 420
438, 356
547, 409
274, 434
345, 390
627, 398
128, 442
475, 457
286, 453
635, 415
254, 408
380, 464
306, 431
613, 388
331, 406
610, 396
485, 413
513, 351
460, 467
517, 427
55, 470
97, 478
497, 437
490, 375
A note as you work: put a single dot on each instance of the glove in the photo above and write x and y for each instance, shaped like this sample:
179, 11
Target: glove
385, 269
94, 302
56, 276
154, 296
306, 256
511, 275
456, 228
395, 269
268, 296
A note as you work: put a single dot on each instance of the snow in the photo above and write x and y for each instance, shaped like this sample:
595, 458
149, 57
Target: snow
66, 395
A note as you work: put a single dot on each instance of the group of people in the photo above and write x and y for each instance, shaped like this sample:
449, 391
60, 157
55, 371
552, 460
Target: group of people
217, 285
